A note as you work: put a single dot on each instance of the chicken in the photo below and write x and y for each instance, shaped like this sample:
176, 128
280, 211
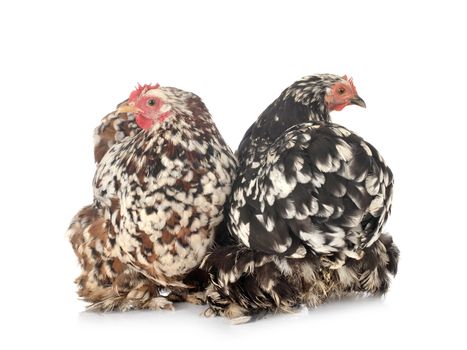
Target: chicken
307, 209
159, 192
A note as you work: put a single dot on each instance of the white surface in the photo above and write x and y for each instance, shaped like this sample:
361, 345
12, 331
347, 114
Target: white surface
64, 66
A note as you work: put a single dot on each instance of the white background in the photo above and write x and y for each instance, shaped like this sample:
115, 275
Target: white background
65, 65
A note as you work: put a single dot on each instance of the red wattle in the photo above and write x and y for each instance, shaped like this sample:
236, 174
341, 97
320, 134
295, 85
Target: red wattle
143, 123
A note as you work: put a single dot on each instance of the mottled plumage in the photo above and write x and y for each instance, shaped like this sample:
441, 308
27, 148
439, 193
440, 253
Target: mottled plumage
113, 128
307, 208
158, 197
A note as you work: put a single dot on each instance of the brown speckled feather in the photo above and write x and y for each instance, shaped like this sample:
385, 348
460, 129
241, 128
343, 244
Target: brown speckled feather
113, 128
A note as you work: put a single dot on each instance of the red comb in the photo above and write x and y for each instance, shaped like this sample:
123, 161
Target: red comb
350, 82
141, 90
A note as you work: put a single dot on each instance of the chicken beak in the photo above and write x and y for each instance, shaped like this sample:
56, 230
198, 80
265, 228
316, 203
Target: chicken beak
128, 108
357, 100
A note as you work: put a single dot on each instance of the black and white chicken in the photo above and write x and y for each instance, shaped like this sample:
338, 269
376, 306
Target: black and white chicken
307, 209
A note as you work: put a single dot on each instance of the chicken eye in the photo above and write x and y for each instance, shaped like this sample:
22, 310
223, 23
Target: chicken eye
341, 91
151, 102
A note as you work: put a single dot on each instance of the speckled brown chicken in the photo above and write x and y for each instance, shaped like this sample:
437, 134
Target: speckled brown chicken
163, 175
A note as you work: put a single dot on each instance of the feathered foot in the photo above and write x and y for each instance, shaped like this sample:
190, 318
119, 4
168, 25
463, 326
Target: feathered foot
234, 312
131, 291
245, 284
372, 273
105, 281
138, 294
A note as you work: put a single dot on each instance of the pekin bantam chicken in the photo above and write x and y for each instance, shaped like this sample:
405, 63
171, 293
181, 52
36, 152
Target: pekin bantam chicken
307, 209
163, 175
